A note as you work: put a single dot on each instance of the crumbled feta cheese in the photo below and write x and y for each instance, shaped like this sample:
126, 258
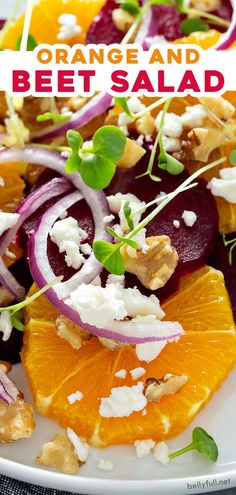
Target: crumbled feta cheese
176, 224
10, 255
189, 218
123, 401
149, 350
135, 105
5, 325
112, 279
121, 373
76, 396
108, 218
2, 182
171, 144
100, 306
106, 464
172, 124
193, 116
137, 373
123, 121
85, 249
144, 447
81, 447
140, 140
225, 187
161, 453
68, 236
7, 220
116, 203
68, 26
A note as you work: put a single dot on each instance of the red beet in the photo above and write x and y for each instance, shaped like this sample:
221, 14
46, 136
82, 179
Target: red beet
225, 12
168, 24
193, 244
102, 29
219, 260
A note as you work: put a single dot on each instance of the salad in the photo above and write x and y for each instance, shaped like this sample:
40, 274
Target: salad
117, 244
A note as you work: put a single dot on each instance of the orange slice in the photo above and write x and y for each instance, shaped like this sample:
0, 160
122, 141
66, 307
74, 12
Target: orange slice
206, 354
12, 191
203, 39
44, 24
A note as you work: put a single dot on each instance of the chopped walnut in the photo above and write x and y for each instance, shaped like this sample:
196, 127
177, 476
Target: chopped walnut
204, 141
60, 454
206, 5
5, 297
222, 108
76, 102
155, 266
122, 20
16, 417
155, 389
112, 344
71, 332
145, 124
133, 152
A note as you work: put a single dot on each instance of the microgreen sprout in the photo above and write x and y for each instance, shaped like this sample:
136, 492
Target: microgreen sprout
131, 6
192, 25
202, 442
56, 117
97, 165
121, 101
193, 13
31, 43
26, 28
232, 244
109, 254
16, 309
128, 216
232, 158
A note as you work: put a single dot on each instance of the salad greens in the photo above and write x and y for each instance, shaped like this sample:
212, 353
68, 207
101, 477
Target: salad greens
202, 442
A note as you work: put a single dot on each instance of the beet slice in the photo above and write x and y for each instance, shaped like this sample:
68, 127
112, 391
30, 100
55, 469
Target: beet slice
168, 22
194, 244
225, 12
219, 260
102, 29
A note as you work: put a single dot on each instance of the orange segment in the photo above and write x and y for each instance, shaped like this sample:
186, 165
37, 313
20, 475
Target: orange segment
201, 304
17, 253
12, 191
206, 354
44, 24
203, 39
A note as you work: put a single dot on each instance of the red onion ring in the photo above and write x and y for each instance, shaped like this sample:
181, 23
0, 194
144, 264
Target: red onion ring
8, 391
8, 281
229, 36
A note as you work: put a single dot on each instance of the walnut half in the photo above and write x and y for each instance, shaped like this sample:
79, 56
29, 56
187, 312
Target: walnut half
71, 332
60, 454
155, 266
155, 389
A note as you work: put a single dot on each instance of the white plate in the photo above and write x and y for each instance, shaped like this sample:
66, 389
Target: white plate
189, 474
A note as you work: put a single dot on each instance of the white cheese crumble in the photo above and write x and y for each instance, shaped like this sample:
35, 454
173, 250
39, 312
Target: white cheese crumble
193, 116
112, 279
144, 447
108, 218
137, 373
5, 325
176, 224
123, 401
81, 447
189, 218
121, 373
135, 106
2, 182
149, 350
75, 397
100, 306
7, 220
68, 27
85, 248
68, 236
105, 464
161, 453
171, 144
225, 187
172, 124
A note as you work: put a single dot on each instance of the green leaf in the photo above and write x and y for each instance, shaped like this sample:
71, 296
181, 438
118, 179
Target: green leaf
127, 213
170, 164
192, 25
161, 2
16, 320
73, 163
179, 4
204, 443
56, 117
31, 43
109, 256
75, 140
125, 240
121, 101
96, 171
131, 6
109, 142
232, 158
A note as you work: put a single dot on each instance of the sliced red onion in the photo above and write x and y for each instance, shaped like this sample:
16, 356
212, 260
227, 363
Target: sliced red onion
31, 204
229, 36
8, 281
8, 391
